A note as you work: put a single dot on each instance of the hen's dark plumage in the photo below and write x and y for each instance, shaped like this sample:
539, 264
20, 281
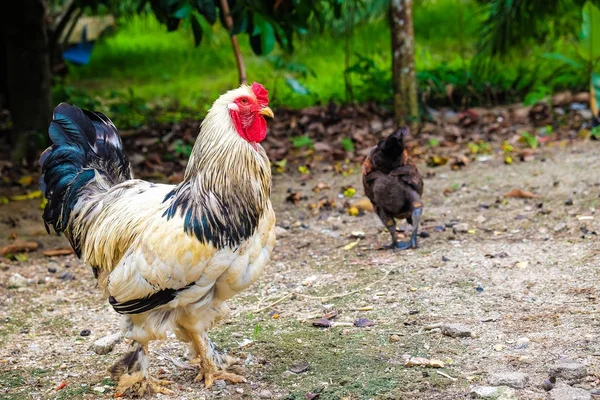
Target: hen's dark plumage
393, 184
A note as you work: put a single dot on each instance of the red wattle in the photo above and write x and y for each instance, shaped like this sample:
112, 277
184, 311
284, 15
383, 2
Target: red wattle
256, 131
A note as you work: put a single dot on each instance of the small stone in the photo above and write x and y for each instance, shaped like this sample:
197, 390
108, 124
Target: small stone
281, 232
517, 380
99, 389
548, 385
460, 228
568, 369
287, 374
493, 392
67, 276
563, 391
456, 330
237, 335
395, 338
522, 342
220, 384
265, 394
569, 202
595, 392
16, 281
85, 332
52, 270
105, 345
560, 226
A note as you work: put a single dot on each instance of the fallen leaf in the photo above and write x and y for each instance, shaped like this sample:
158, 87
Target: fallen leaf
294, 197
351, 244
320, 186
58, 252
321, 323
62, 385
26, 180
502, 254
521, 194
416, 361
436, 161
366, 308
27, 196
522, 264
436, 363
349, 191
363, 204
331, 314
363, 322
300, 367
19, 246
21, 257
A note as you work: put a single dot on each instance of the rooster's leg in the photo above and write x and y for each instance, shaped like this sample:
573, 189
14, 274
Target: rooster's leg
131, 373
415, 218
212, 363
390, 225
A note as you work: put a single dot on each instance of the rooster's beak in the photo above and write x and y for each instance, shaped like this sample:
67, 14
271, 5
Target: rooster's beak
267, 112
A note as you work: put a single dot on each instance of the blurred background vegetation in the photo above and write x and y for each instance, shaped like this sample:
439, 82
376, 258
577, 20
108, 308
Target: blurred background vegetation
162, 60
144, 63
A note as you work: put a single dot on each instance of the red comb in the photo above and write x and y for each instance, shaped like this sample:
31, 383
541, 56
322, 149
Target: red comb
262, 95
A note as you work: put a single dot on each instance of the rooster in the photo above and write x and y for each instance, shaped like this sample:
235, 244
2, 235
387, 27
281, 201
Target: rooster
166, 257
392, 182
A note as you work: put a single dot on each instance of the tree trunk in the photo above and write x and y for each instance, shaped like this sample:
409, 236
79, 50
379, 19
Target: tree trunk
406, 107
27, 74
239, 60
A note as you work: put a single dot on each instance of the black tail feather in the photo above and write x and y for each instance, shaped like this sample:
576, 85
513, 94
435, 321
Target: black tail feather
84, 143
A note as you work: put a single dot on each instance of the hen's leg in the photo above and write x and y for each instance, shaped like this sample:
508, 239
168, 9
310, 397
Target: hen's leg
390, 224
131, 374
415, 219
212, 364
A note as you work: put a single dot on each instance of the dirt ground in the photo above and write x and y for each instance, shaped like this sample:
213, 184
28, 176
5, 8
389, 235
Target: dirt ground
522, 282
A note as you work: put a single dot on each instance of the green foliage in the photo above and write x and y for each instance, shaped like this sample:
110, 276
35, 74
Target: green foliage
374, 80
589, 38
348, 144
433, 142
302, 141
182, 149
539, 93
530, 139
72, 95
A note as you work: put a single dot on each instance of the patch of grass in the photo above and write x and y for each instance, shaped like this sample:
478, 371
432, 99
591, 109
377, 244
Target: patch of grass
77, 392
11, 379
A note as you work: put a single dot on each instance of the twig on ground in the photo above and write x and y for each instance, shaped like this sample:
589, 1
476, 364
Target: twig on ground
446, 375
323, 298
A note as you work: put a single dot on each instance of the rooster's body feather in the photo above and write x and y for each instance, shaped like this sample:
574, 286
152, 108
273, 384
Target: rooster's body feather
166, 256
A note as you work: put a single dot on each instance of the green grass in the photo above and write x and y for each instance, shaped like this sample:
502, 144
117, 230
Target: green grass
143, 64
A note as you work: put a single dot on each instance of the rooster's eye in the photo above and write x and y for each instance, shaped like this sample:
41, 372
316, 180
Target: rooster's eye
244, 101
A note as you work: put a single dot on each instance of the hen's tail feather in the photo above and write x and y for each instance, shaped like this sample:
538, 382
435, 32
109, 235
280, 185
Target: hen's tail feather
84, 143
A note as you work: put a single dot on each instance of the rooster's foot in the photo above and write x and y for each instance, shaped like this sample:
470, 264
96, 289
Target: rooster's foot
402, 245
137, 385
405, 245
211, 377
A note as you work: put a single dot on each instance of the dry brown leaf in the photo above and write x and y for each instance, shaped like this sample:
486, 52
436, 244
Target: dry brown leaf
520, 194
320, 186
57, 252
363, 204
19, 246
